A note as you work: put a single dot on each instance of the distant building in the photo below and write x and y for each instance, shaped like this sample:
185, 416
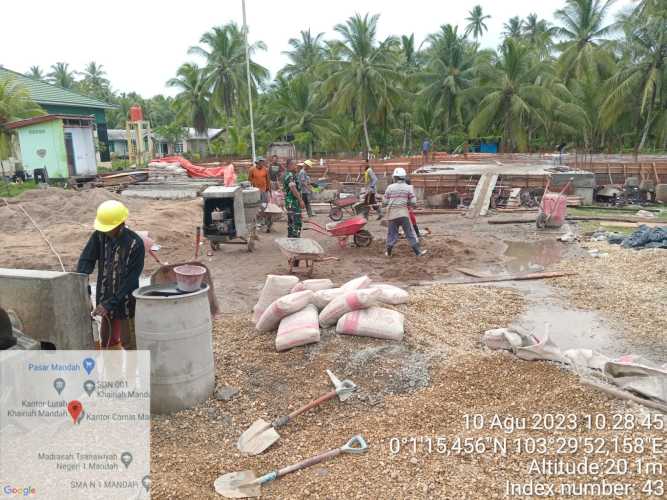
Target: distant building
59, 101
63, 145
191, 143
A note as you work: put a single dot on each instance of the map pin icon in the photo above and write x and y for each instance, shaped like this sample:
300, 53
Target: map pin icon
146, 481
75, 409
88, 365
126, 458
59, 385
89, 387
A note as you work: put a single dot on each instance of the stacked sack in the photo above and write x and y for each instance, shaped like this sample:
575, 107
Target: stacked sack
297, 309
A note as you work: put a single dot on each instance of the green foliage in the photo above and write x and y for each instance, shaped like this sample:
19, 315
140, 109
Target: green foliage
9, 189
15, 104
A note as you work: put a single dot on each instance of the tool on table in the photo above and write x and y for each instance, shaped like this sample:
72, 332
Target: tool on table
262, 434
245, 484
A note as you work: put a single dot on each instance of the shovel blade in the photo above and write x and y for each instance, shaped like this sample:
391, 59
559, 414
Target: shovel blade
237, 485
257, 438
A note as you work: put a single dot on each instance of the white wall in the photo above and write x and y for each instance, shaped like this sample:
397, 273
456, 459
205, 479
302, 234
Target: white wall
84, 150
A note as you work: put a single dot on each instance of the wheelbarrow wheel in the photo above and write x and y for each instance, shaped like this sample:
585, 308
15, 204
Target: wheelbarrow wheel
541, 221
251, 245
363, 238
215, 246
336, 213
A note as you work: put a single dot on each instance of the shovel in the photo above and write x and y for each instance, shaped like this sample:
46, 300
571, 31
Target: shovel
262, 434
246, 484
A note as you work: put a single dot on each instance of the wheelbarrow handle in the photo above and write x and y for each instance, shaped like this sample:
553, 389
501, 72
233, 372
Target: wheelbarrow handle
282, 421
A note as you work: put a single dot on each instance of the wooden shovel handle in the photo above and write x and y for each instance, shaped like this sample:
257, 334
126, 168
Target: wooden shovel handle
308, 462
281, 421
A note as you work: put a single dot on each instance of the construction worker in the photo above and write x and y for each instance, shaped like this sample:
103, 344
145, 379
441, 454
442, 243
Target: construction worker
371, 181
305, 188
397, 198
119, 255
274, 173
293, 202
258, 176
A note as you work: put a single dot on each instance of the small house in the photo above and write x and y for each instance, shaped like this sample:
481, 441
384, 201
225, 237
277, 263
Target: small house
63, 145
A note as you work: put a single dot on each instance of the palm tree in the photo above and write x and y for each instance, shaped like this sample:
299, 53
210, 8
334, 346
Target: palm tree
35, 72
226, 66
306, 54
15, 103
476, 24
449, 71
364, 79
582, 31
639, 85
194, 97
513, 98
94, 81
297, 109
539, 34
61, 75
512, 28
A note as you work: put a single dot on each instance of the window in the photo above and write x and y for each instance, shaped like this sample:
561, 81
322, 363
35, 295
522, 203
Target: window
178, 147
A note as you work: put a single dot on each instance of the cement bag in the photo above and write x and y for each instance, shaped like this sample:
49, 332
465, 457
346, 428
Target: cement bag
314, 285
282, 307
350, 301
275, 287
298, 328
375, 322
356, 283
390, 294
321, 298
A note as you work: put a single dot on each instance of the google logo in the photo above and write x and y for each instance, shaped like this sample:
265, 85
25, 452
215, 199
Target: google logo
18, 491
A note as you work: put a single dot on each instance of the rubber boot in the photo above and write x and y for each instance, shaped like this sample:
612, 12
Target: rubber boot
387, 252
418, 251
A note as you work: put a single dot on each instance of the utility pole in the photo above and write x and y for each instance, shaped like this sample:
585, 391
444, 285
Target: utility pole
247, 71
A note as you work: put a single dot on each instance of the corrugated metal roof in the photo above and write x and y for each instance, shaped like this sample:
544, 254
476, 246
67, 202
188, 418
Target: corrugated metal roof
46, 93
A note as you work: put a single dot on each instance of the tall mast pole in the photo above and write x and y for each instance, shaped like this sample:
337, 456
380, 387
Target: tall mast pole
247, 70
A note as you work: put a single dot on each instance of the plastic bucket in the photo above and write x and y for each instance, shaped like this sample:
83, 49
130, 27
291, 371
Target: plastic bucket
189, 277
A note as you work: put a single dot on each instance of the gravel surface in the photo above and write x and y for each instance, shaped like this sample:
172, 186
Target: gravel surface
423, 387
629, 286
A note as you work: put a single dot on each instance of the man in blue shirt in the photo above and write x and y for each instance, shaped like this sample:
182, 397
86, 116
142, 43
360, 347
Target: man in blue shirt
426, 147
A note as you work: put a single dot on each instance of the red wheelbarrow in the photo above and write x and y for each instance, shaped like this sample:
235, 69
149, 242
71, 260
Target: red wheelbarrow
553, 207
343, 230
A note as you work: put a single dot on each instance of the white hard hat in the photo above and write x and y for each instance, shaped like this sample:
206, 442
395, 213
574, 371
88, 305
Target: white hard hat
399, 172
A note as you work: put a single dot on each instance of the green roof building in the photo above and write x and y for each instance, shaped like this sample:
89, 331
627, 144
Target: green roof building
59, 101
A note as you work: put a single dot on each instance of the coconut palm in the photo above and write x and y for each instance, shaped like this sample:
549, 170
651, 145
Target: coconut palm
15, 103
476, 24
582, 31
306, 54
513, 98
61, 75
539, 34
35, 72
193, 100
513, 27
299, 110
639, 85
448, 73
94, 81
364, 80
226, 67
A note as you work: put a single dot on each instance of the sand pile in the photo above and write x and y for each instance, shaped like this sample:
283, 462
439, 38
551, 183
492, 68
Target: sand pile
66, 217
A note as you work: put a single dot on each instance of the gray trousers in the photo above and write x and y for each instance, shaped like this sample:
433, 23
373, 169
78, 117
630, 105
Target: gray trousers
392, 232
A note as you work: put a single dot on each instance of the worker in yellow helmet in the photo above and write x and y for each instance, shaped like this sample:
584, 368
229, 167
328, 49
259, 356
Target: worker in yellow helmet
119, 255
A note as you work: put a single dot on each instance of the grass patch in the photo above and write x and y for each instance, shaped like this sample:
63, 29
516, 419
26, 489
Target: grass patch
10, 190
583, 212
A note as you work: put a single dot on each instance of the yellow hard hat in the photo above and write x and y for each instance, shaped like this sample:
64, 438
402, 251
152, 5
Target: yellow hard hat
308, 163
110, 215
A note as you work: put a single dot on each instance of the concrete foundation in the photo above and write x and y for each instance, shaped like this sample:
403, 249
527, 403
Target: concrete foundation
52, 306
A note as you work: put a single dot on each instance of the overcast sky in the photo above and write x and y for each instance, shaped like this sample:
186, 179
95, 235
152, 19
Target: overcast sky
141, 43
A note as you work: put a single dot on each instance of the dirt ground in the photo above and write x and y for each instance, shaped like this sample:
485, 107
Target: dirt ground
412, 393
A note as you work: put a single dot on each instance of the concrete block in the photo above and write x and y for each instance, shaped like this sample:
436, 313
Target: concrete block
52, 306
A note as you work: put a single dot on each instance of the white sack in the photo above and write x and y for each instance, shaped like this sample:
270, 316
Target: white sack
350, 301
283, 307
275, 287
314, 285
390, 294
377, 322
298, 328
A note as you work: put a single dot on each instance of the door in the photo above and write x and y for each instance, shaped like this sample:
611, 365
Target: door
69, 148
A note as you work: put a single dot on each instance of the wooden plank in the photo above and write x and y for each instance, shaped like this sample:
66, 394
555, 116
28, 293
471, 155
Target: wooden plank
655, 172
515, 277
482, 197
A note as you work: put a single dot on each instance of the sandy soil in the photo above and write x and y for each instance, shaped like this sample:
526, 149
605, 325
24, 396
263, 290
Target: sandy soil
420, 388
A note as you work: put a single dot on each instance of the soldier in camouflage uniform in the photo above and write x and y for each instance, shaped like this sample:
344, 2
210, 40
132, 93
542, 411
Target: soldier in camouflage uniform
293, 201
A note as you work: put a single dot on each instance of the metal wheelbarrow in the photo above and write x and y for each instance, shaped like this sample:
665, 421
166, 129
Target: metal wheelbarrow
553, 207
302, 249
343, 230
